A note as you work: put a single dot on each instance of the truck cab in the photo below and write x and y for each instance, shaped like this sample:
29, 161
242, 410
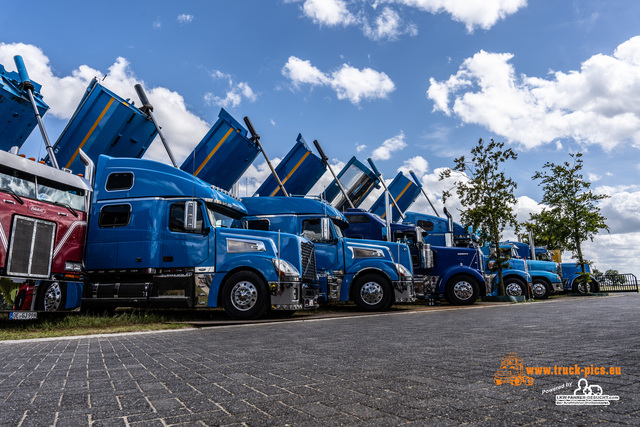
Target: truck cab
545, 275
160, 237
372, 274
453, 273
43, 224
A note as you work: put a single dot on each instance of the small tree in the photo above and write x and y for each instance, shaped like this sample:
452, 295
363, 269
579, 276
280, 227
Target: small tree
572, 213
487, 196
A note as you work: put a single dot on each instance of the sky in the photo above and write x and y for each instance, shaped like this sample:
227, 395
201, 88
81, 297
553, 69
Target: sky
412, 84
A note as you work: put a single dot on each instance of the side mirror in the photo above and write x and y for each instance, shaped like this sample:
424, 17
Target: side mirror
325, 229
190, 213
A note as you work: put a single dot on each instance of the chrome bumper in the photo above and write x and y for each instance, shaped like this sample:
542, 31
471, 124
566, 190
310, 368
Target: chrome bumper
293, 295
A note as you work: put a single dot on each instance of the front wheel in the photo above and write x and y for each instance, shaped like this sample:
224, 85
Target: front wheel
373, 293
579, 287
53, 297
515, 287
462, 290
245, 296
540, 289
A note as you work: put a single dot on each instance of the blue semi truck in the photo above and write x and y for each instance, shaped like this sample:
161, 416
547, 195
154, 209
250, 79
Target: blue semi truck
455, 273
160, 237
546, 275
372, 274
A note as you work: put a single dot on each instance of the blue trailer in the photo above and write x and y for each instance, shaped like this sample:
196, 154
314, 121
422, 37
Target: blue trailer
160, 237
357, 180
373, 274
16, 112
299, 171
403, 191
103, 123
223, 155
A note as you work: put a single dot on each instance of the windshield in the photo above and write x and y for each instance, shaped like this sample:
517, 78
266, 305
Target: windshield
218, 216
32, 187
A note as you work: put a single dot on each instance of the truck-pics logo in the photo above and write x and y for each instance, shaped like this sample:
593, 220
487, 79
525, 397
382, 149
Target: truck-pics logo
511, 371
586, 394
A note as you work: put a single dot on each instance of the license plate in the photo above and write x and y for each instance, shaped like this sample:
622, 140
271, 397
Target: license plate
23, 315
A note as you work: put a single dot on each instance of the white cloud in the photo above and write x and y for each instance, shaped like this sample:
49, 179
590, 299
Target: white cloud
473, 14
596, 105
390, 145
388, 24
185, 18
157, 24
328, 12
417, 164
348, 82
360, 147
234, 94
182, 128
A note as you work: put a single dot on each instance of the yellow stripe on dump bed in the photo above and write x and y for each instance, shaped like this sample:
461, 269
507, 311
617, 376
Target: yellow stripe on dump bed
90, 132
213, 151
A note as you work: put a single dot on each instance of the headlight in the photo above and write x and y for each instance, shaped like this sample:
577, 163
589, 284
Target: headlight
360, 252
236, 245
403, 271
285, 268
75, 267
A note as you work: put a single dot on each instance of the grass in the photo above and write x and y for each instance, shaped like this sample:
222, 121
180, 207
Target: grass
133, 320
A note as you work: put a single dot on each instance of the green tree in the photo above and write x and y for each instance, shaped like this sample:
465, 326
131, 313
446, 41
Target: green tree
572, 215
486, 196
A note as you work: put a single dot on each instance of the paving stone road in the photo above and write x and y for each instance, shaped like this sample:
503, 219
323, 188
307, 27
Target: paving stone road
430, 367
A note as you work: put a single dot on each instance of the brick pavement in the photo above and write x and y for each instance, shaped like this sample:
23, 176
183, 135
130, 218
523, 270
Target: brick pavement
418, 368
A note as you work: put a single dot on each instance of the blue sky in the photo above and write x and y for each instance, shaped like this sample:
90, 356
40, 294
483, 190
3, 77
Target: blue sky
411, 83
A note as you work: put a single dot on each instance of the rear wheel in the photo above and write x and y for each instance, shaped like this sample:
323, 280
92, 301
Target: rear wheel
462, 290
245, 296
514, 287
579, 287
372, 292
540, 289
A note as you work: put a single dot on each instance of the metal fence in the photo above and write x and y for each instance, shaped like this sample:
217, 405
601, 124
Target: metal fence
617, 283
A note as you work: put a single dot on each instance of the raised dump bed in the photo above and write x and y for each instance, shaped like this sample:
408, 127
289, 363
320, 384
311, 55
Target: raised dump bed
103, 123
357, 180
223, 155
403, 190
298, 171
17, 118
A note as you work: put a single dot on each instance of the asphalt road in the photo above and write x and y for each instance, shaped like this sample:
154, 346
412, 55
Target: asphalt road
423, 368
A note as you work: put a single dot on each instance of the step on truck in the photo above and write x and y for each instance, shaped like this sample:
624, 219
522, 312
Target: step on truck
160, 237
372, 274
452, 273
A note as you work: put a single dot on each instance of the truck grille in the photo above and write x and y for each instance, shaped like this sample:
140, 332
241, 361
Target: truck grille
308, 262
31, 247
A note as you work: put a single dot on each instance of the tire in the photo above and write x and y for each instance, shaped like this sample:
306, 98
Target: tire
245, 296
372, 292
578, 288
462, 290
515, 287
52, 298
540, 289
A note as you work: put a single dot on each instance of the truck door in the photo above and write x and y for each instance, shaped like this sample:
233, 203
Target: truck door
182, 248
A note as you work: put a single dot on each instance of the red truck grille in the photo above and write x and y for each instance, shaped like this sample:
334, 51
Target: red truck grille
31, 247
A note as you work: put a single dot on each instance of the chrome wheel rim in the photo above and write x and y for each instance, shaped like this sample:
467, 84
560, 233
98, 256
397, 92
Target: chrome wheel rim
463, 290
371, 293
538, 289
244, 296
53, 297
513, 290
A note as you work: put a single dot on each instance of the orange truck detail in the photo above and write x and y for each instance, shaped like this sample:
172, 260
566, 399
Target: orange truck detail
511, 371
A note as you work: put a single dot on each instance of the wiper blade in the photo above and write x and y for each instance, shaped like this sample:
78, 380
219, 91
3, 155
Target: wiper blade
68, 206
13, 193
